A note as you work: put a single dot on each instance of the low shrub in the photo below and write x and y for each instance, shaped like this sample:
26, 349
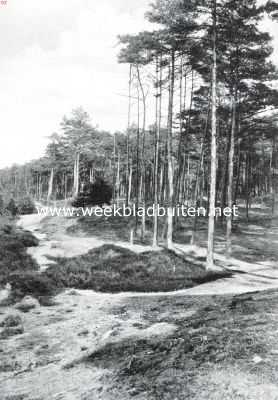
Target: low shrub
13, 251
114, 269
94, 194
12, 208
26, 206
31, 283
11, 320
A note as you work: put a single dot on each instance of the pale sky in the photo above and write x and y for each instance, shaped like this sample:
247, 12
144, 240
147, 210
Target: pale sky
57, 55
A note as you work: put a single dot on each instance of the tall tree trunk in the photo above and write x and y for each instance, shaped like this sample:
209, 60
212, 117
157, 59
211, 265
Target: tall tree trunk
129, 183
76, 175
272, 172
137, 157
210, 255
238, 174
231, 178
40, 187
50, 185
65, 185
92, 175
247, 177
143, 173
157, 146
200, 168
170, 154
161, 183
181, 138
114, 168
185, 139
118, 181
127, 136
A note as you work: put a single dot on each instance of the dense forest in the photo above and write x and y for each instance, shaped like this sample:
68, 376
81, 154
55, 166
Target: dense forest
206, 77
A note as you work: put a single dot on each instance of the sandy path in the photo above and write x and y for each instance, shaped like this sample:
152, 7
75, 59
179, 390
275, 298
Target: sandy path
60, 244
251, 277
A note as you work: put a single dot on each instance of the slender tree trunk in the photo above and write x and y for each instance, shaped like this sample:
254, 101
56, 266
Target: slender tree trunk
50, 185
76, 175
118, 181
65, 185
170, 154
239, 168
157, 146
186, 134
225, 172
200, 169
231, 178
130, 183
40, 187
137, 157
181, 138
272, 172
246, 185
160, 189
127, 136
143, 173
92, 177
188, 181
114, 169
210, 256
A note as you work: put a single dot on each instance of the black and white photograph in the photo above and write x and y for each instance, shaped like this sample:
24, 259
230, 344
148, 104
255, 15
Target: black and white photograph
139, 200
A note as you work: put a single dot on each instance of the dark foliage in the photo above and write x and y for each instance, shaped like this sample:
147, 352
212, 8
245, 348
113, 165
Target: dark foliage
31, 283
2, 206
26, 206
114, 269
12, 208
94, 194
13, 254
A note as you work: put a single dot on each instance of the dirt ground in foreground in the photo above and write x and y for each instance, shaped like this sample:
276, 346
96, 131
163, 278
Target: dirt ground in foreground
86, 345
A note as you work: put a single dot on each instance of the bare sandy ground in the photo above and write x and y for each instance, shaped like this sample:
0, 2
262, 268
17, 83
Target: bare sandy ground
47, 361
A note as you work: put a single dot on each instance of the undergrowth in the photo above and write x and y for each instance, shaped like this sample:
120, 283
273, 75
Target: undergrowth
114, 269
13, 251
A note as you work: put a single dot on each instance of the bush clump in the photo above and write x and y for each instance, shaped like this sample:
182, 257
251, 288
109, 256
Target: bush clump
94, 194
114, 269
11, 325
26, 206
13, 252
11, 320
31, 283
12, 208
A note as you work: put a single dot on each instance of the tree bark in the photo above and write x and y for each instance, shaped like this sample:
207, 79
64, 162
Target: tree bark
76, 175
50, 185
231, 178
143, 160
170, 153
211, 223
118, 181
157, 146
130, 183
127, 136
